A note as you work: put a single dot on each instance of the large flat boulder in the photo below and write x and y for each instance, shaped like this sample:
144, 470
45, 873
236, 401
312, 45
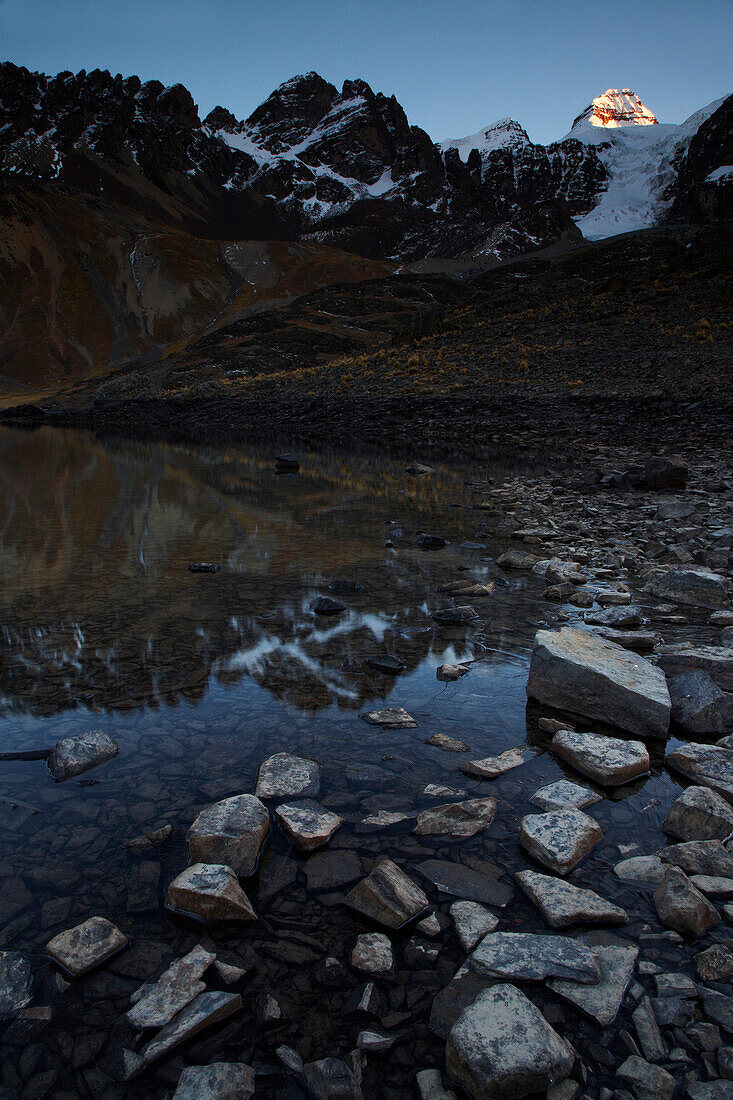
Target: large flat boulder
691, 585
716, 660
502, 1047
609, 761
287, 776
563, 904
706, 765
559, 839
175, 988
526, 956
602, 1001
699, 814
581, 672
456, 819
231, 832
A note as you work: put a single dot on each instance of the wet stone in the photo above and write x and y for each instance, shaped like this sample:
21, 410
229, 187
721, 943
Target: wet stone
526, 956
204, 1011
493, 766
449, 744
307, 824
472, 922
464, 882
372, 953
700, 857
646, 869
327, 605
692, 585
16, 984
437, 790
390, 666
286, 776
713, 886
174, 989
699, 706
707, 765
699, 814
615, 617
559, 839
210, 891
374, 1041
601, 1002
648, 1081
681, 906
608, 761
563, 904
146, 841
391, 718
716, 660
459, 819
217, 1081
230, 832
87, 946
455, 616
564, 795
450, 673
73, 755
387, 896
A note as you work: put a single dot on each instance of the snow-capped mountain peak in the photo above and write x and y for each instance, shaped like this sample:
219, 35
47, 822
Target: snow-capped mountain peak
616, 107
502, 134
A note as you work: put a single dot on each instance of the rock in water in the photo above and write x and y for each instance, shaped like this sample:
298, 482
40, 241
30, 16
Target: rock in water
74, 755
175, 988
424, 541
210, 891
707, 765
231, 832
307, 824
699, 814
562, 904
692, 585
602, 1001
609, 761
716, 660
16, 984
456, 616
287, 463
559, 839
391, 718
472, 922
204, 567
698, 704
327, 605
681, 906
564, 795
581, 672
525, 956
286, 776
205, 1010
493, 766
388, 896
700, 857
464, 882
217, 1081
81, 949
459, 819
502, 1047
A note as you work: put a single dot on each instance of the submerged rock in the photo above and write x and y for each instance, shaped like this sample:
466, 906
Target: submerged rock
502, 1047
176, 987
601, 1002
559, 839
146, 841
286, 776
448, 744
563, 904
609, 761
204, 1011
388, 896
73, 755
390, 718
459, 819
577, 671
456, 616
699, 814
327, 605
210, 891
681, 906
16, 984
81, 949
390, 666
307, 824
217, 1081
563, 795
450, 673
525, 956
493, 766
464, 882
231, 832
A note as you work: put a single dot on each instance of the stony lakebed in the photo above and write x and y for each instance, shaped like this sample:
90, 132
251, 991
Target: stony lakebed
345, 777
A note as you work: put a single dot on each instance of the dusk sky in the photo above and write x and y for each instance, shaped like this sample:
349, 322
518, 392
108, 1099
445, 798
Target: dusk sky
454, 66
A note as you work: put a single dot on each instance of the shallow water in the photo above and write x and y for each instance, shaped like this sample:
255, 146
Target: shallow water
201, 677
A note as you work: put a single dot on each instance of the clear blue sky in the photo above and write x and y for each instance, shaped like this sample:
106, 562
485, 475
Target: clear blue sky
454, 66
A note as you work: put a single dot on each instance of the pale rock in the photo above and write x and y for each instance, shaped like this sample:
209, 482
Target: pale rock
286, 776
563, 904
601, 1002
388, 896
706, 765
559, 839
681, 906
715, 964
713, 886
563, 795
472, 922
79, 950
493, 766
647, 869
526, 956
307, 824
174, 989
374, 1041
217, 1081
373, 953
383, 819
700, 857
390, 718
230, 832
449, 744
207, 1009
450, 673
458, 819
437, 790
430, 1086
210, 891
608, 761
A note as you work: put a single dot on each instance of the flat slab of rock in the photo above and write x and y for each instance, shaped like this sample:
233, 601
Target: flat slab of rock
563, 904
175, 988
390, 718
700, 857
457, 819
449, 673
373, 953
16, 984
384, 819
207, 1009
646, 869
643, 641
559, 839
455, 616
307, 824
493, 766
694, 586
608, 761
601, 1002
615, 617
649, 1082
73, 755
581, 672
706, 765
472, 922
210, 891
231, 832
81, 949
681, 906
217, 1081
699, 814
388, 896
564, 795
449, 744
716, 660
526, 956
286, 776
713, 886
699, 705
463, 882
502, 1046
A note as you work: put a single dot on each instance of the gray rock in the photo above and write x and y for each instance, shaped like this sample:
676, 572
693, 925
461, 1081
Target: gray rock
574, 670
331, 1079
207, 1009
217, 1081
693, 586
716, 660
373, 953
517, 559
230, 832
307, 824
615, 617
464, 882
74, 755
666, 472
374, 1041
557, 571
713, 886
390, 718
174, 989
601, 1002
608, 761
448, 744
525, 956
286, 776
675, 985
16, 984
699, 814
439, 790
647, 1029
647, 869
562, 904
460, 992
79, 950
642, 641
681, 906
388, 896
450, 673
718, 1007
699, 705
210, 891
700, 857
472, 922
563, 795
706, 765
145, 841
502, 1046
710, 1090
648, 1082
430, 1086
384, 819
493, 766
458, 819
559, 839
455, 616
715, 964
